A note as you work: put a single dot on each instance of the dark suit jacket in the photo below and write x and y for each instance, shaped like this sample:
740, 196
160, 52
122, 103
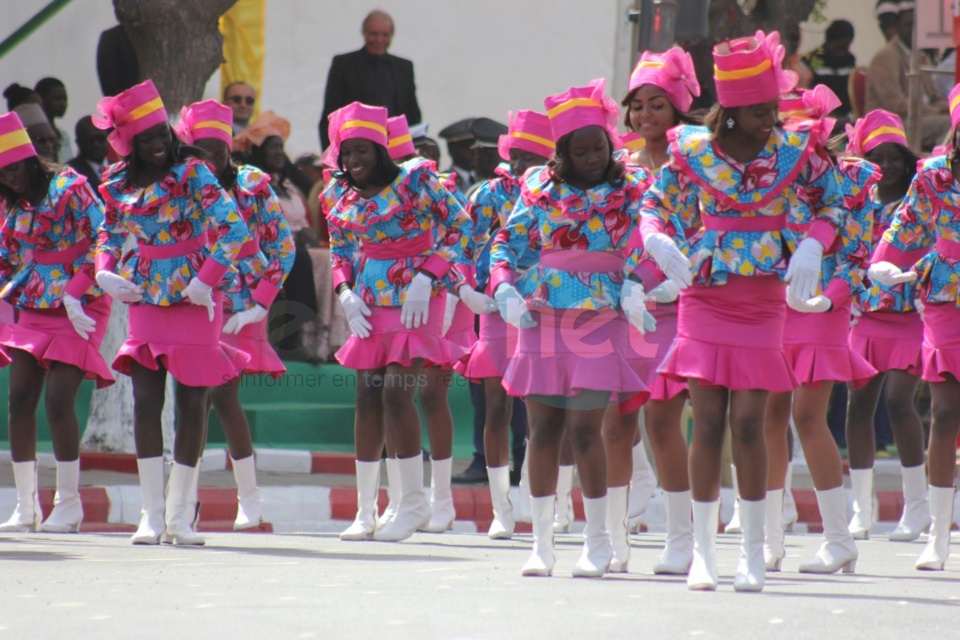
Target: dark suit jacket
345, 85
117, 65
80, 165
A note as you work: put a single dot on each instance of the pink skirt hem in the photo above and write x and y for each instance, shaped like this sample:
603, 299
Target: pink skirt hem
941, 342
252, 340
889, 341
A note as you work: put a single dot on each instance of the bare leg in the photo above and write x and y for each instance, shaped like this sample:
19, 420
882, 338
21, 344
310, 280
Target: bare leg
620, 433
26, 385
149, 388
400, 415
665, 436
236, 429
496, 427
436, 411
776, 427
749, 449
861, 437
368, 426
706, 447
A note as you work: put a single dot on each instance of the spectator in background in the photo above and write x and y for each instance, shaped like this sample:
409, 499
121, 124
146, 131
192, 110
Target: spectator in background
93, 146
263, 142
17, 94
53, 96
791, 40
117, 66
240, 97
888, 87
833, 63
944, 81
887, 12
310, 165
486, 133
41, 132
371, 76
460, 139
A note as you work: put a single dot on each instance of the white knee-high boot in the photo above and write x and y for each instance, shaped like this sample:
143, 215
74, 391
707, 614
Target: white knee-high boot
180, 509
413, 512
838, 550
393, 491
543, 557
524, 511
773, 551
790, 514
26, 516
368, 486
643, 484
597, 550
617, 527
152, 507
734, 525
935, 554
441, 496
678, 553
67, 511
751, 569
861, 480
916, 505
563, 516
703, 569
503, 523
249, 501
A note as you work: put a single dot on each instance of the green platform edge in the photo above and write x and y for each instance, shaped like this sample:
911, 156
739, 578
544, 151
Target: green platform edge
310, 408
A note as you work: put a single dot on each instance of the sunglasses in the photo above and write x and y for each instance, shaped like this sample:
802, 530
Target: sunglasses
248, 100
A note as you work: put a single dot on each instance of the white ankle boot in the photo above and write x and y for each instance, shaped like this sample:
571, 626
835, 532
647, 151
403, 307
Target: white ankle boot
503, 523
751, 568
790, 514
27, 515
916, 505
441, 496
643, 484
597, 549
563, 517
393, 492
935, 554
180, 510
368, 486
543, 557
861, 480
678, 553
523, 513
838, 550
67, 511
734, 525
773, 551
617, 527
413, 512
152, 507
249, 501
703, 568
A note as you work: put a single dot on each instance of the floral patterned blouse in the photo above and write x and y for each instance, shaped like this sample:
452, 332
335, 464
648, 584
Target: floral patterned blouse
48, 250
899, 298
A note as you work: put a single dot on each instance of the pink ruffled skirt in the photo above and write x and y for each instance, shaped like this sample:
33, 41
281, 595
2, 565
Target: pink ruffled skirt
662, 387
574, 350
817, 346
182, 339
490, 353
252, 340
461, 334
889, 341
390, 342
48, 336
941, 342
732, 336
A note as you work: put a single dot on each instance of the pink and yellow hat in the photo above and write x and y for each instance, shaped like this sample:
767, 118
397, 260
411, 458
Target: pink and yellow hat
529, 131
672, 71
954, 101
129, 113
749, 70
356, 120
632, 141
207, 119
872, 130
15, 144
812, 104
580, 107
399, 140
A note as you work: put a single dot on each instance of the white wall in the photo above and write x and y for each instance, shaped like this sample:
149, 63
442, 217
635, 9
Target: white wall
472, 57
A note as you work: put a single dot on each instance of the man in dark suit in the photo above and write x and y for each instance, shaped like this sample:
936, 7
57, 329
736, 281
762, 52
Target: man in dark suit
93, 151
371, 76
117, 66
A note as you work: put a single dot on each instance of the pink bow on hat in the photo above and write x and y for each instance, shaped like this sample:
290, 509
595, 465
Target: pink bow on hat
770, 42
109, 117
672, 71
813, 104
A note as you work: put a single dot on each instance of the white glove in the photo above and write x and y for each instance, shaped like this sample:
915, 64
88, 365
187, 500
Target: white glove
803, 272
448, 311
816, 304
200, 293
416, 304
666, 292
513, 309
119, 287
479, 303
633, 302
669, 258
83, 324
889, 274
355, 309
249, 316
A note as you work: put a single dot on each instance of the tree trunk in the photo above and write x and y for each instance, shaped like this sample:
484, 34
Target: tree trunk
178, 44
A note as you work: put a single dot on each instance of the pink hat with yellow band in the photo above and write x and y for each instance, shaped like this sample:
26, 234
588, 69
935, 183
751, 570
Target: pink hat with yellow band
15, 144
580, 107
954, 101
672, 71
749, 71
129, 113
356, 120
528, 131
633, 141
207, 119
874, 129
399, 140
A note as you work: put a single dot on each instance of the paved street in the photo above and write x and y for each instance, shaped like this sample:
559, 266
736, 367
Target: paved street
441, 586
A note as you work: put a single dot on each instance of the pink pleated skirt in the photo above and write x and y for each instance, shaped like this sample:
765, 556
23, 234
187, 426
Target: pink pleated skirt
661, 388
817, 346
889, 341
574, 350
461, 333
732, 336
48, 336
941, 342
252, 340
495, 345
182, 339
390, 342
